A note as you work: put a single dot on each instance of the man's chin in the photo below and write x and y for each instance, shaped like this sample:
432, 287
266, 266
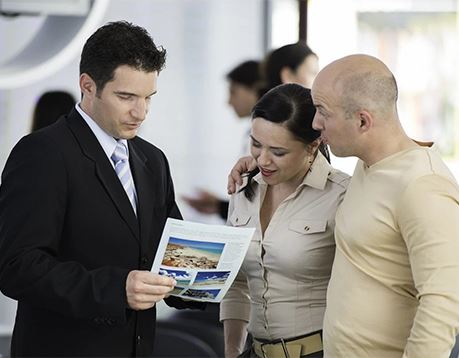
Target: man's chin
337, 153
128, 135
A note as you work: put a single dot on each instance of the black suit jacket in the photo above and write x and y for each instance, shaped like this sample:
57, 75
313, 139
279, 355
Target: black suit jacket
69, 237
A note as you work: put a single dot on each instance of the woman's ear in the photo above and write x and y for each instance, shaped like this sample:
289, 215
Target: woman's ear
286, 75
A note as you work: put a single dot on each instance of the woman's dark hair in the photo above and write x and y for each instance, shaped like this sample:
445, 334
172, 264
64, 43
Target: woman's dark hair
291, 56
50, 106
247, 73
116, 44
289, 105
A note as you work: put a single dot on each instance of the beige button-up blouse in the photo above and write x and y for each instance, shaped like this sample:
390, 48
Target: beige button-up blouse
281, 287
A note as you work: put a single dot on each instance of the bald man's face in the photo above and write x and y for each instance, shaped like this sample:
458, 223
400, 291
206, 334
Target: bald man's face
330, 119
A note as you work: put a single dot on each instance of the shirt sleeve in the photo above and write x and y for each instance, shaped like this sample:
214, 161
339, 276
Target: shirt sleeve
428, 217
236, 303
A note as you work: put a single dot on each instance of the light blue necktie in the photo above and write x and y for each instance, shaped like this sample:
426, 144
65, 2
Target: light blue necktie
121, 160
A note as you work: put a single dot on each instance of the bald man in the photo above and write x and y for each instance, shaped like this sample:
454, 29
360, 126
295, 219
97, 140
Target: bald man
394, 288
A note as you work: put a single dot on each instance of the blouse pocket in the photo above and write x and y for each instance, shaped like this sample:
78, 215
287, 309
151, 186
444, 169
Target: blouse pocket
308, 226
239, 218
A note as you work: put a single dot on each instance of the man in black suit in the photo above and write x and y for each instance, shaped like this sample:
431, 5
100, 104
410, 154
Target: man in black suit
77, 241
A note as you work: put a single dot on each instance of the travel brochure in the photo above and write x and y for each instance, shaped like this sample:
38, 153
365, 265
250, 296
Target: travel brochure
204, 259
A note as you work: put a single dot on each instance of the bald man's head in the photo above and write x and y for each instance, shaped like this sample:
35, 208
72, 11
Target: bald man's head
362, 82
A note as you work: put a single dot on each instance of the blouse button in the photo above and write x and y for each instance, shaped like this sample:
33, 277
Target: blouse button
237, 219
306, 228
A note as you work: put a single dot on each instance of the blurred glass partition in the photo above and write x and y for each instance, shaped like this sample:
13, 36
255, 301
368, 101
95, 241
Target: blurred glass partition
418, 40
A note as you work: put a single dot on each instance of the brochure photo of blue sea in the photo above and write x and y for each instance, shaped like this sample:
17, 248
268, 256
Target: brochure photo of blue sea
182, 277
192, 253
211, 278
207, 294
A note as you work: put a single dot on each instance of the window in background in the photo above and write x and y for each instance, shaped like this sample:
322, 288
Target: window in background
284, 22
418, 41
423, 47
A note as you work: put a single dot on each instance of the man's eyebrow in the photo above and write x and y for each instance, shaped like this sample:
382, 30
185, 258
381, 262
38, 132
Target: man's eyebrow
124, 93
320, 107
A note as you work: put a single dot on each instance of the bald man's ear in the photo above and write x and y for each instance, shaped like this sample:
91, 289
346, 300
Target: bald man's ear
365, 121
88, 86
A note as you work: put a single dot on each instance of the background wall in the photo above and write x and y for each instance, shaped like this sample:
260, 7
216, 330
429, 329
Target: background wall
189, 117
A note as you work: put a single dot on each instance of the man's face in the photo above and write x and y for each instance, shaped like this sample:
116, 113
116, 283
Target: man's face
121, 107
242, 99
330, 119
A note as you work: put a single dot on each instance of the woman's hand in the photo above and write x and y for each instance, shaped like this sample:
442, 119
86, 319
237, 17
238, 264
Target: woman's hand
243, 165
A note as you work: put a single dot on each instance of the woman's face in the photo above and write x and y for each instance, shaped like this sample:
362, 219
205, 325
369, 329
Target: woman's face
280, 157
306, 72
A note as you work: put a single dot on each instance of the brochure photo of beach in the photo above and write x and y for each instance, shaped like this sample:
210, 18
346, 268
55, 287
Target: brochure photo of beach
182, 277
211, 278
204, 294
176, 291
192, 254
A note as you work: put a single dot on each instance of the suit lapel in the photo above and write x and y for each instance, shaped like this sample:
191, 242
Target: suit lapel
92, 149
145, 186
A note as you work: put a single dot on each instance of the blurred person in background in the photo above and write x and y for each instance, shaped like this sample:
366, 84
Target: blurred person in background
293, 63
50, 106
243, 81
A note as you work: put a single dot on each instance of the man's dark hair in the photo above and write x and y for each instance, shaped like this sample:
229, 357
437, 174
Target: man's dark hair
247, 73
116, 44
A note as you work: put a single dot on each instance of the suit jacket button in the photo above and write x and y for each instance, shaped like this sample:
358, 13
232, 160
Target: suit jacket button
144, 260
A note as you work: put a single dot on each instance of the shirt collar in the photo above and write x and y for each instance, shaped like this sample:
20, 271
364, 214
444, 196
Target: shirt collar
315, 178
107, 142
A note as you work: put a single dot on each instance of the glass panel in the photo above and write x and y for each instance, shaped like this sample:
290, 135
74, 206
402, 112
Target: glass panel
418, 41
285, 22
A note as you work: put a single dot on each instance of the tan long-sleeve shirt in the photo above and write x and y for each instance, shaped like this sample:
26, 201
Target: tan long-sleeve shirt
394, 289
282, 283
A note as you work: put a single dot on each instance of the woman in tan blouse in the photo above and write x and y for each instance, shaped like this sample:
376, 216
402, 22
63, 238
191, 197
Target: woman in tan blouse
291, 199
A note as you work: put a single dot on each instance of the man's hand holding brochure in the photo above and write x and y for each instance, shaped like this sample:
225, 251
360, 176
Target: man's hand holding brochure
203, 259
